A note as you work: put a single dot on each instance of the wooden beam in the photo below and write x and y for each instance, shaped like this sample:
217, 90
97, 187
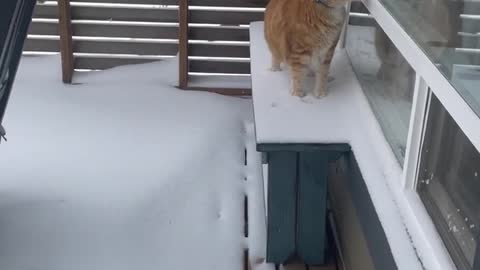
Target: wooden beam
183, 44
66, 43
222, 91
312, 207
282, 210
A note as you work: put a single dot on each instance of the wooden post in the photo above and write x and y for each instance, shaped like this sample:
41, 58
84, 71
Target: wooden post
183, 45
297, 201
282, 210
312, 207
343, 35
66, 43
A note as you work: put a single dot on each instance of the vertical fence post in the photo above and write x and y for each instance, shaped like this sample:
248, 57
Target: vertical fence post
66, 43
183, 44
343, 35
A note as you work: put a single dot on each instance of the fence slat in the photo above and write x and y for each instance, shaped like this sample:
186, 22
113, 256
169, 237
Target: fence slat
106, 63
108, 30
358, 7
219, 67
41, 45
147, 2
221, 33
224, 18
125, 48
111, 13
219, 50
43, 11
229, 3
43, 28
362, 21
82, 46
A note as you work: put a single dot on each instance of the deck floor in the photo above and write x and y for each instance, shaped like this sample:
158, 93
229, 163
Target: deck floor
124, 171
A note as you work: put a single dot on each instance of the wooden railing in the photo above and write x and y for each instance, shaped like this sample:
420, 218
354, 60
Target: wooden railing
214, 44
101, 34
210, 37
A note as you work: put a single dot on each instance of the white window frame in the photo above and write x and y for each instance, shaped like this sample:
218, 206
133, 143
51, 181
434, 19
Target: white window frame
463, 114
425, 237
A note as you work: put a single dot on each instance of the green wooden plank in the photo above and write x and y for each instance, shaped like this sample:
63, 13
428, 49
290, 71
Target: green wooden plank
282, 191
312, 207
303, 147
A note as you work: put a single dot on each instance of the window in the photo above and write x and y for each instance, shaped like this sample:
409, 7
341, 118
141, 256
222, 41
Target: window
385, 76
449, 185
449, 33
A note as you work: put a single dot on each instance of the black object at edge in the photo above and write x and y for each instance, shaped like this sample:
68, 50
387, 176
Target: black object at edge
15, 17
476, 260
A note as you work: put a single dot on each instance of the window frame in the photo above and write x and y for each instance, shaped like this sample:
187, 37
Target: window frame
429, 80
463, 114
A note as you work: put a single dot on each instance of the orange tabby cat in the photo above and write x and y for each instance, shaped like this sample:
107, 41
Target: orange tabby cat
304, 34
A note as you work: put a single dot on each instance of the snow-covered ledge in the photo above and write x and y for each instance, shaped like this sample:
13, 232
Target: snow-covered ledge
344, 116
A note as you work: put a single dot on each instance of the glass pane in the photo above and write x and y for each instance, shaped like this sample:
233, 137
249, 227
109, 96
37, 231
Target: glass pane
449, 184
386, 78
449, 32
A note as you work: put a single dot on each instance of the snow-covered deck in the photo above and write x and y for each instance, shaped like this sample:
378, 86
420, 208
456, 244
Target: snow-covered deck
124, 171
344, 116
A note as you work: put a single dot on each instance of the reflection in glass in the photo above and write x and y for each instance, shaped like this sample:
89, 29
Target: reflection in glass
386, 78
449, 184
449, 32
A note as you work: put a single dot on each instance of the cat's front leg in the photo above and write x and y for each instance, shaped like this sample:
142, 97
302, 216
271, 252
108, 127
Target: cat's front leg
321, 78
275, 64
297, 73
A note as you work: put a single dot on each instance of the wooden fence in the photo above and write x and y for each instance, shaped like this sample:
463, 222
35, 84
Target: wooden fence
210, 37
214, 44
101, 34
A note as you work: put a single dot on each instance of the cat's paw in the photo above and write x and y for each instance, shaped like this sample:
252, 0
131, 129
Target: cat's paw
298, 93
308, 99
275, 68
320, 94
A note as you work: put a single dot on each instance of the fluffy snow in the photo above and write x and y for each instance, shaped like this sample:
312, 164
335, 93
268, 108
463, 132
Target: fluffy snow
344, 116
123, 171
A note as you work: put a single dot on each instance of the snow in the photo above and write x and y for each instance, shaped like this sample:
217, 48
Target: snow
344, 116
257, 223
219, 81
123, 171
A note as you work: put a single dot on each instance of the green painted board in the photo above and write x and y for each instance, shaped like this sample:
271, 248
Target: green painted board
312, 207
282, 194
303, 147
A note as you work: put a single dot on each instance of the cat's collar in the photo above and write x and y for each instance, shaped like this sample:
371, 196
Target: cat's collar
323, 2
